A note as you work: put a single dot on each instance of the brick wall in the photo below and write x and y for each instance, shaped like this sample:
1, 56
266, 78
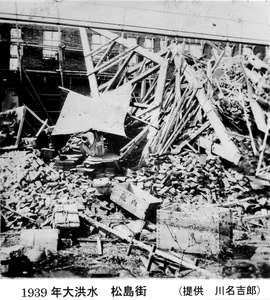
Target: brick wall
4, 45
73, 60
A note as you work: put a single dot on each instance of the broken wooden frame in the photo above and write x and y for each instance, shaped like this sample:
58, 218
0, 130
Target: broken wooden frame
169, 104
152, 250
153, 68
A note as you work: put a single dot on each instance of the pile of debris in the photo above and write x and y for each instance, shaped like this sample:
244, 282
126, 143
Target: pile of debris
201, 181
30, 189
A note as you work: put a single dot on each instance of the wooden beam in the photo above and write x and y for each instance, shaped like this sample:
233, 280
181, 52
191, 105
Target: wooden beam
42, 128
258, 169
219, 150
110, 63
127, 149
20, 127
178, 148
144, 75
106, 53
117, 75
140, 50
190, 112
17, 213
217, 124
35, 115
157, 102
89, 63
136, 79
99, 49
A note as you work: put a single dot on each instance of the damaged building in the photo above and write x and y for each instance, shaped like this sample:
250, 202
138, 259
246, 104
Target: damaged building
141, 148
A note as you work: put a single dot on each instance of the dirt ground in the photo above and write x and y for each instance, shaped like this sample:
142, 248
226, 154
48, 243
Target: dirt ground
81, 260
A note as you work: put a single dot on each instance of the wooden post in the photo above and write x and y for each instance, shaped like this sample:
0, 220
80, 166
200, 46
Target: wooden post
89, 63
60, 57
20, 127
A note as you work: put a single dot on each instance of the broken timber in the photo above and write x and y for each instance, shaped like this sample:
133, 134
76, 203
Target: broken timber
141, 245
89, 62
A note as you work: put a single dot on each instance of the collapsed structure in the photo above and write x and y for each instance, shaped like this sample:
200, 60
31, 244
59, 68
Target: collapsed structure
192, 169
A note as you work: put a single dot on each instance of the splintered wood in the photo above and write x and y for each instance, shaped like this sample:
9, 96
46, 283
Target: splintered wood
172, 92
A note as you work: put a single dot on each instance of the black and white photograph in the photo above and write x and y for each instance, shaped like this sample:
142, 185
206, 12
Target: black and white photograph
134, 144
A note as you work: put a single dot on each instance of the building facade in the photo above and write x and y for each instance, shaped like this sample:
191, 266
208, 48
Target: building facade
37, 59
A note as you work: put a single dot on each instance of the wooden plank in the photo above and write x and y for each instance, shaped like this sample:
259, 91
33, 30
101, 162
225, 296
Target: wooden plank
157, 102
127, 149
190, 112
209, 110
256, 217
141, 120
42, 128
17, 213
171, 125
144, 75
150, 90
19, 133
106, 53
110, 63
89, 63
248, 126
178, 148
100, 48
258, 113
159, 95
148, 110
34, 114
117, 75
217, 124
219, 150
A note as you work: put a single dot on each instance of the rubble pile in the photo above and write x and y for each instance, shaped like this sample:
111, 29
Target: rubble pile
30, 189
205, 148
